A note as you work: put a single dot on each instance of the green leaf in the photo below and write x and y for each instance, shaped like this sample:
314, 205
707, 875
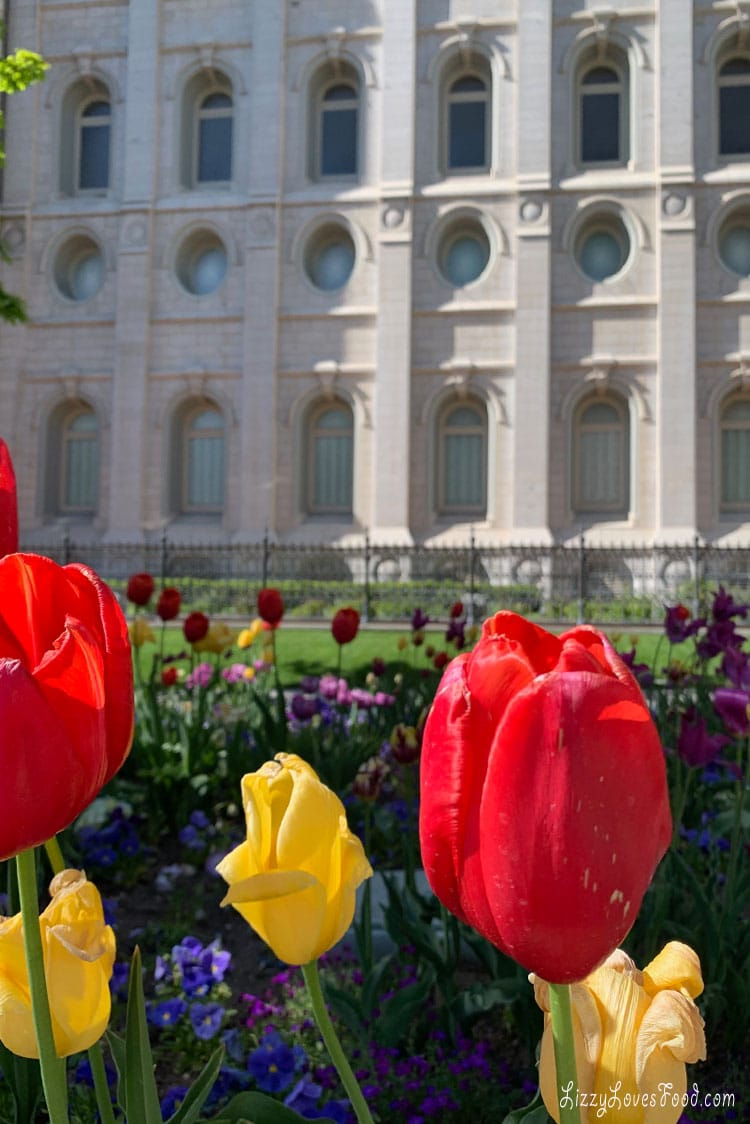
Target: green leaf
117, 1049
346, 1008
141, 1097
398, 1013
373, 982
257, 1108
195, 1098
533, 1113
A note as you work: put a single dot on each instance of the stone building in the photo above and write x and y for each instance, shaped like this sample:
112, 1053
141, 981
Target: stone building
404, 266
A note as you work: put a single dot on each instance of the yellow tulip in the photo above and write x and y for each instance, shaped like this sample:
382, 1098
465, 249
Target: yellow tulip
218, 638
248, 636
294, 878
79, 951
141, 632
634, 1031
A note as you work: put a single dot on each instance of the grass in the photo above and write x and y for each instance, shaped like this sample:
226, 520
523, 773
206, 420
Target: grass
313, 651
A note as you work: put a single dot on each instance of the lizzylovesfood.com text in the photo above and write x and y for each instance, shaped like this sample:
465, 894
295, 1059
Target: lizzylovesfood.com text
662, 1097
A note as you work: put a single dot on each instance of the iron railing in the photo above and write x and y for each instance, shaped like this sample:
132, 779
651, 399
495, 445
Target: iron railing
625, 584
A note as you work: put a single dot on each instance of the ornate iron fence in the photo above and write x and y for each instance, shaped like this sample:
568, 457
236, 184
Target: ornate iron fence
623, 584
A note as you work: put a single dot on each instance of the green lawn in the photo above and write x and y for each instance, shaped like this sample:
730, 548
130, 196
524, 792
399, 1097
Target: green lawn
313, 651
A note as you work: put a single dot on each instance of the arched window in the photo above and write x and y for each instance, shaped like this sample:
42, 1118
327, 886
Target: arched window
214, 141
93, 145
202, 461
603, 111
207, 131
85, 138
734, 107
466, 116
601, 457
462, 460
78, 471
330, 467
335, 123
735, 455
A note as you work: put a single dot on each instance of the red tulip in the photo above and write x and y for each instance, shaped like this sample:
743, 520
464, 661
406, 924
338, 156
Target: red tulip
195, 627
8, 503
140, 589
544, 804
169, 677
66, 695
270, 606
457, 609
345, 625
168, 605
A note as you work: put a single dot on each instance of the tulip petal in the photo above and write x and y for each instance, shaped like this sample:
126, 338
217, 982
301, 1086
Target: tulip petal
287, 909
557, 824
29, 721
676, 968
670, 1035
459, 732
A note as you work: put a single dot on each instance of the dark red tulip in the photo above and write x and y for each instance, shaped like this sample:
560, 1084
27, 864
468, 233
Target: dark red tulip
8, 503
195, 627
168, 605
140, 589
544, 804
345, 625
66, 695
169, 677
270, 606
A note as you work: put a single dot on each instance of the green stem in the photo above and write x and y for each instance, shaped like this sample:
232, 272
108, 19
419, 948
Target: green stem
338, 1057
736, 845
565, 1057
101, 1087
53, 1068
54, 855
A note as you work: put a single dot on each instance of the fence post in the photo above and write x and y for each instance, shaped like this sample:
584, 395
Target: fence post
266, 551
472, 555
696, 576
581, 578
164, 563
366, 606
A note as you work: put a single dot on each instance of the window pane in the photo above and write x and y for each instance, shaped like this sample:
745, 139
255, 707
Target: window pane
205, 486
735, 66
81, 472
341, 93
734, 117
217, 101
338, 141
468, 84
215, 149
600, 127
738, 411
600, 482
735, 466
333, 469
464, 471
466, 134
94, 164
599, 76
334, 419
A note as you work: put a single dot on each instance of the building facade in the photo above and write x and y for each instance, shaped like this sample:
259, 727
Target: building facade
410, 267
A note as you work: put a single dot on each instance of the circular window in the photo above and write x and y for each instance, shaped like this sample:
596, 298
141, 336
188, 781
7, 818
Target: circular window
464, 254
202, 263
734, 247
79, 269
603, 249
329, 258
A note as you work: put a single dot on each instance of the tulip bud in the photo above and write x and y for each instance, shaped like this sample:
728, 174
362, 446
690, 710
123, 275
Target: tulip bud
544, 805
79, 953
168, 605
195, 627
294, 878
345, 625
270, 606
140, 589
